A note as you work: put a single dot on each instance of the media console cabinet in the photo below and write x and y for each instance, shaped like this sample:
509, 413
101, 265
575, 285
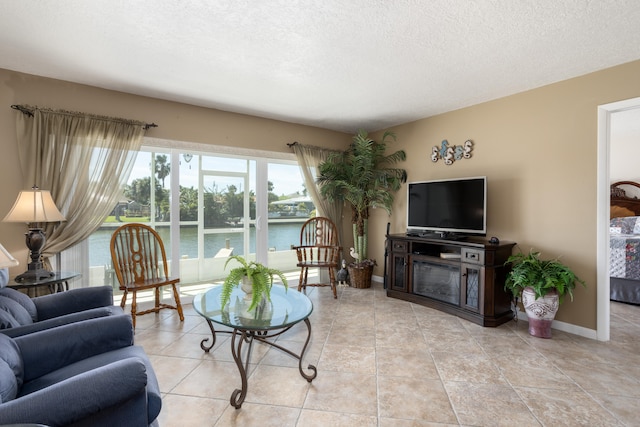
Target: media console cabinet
461, 277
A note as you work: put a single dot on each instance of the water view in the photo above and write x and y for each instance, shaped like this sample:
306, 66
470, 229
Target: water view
281, 237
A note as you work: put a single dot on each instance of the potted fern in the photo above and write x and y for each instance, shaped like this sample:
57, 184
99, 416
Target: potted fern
364, 177
256, 280
543, 285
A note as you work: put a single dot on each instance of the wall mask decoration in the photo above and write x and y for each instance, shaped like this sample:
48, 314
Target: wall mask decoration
451, 153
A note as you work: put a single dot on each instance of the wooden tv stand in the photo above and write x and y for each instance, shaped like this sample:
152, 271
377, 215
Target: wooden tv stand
462, 277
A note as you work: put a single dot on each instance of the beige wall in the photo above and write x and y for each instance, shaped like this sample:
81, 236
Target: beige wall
537, 148
538, 151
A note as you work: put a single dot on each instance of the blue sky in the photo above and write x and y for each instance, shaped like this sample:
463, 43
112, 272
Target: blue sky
285, 177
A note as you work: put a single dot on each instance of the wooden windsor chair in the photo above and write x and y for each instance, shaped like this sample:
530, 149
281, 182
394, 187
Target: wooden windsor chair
140, 263
319, 248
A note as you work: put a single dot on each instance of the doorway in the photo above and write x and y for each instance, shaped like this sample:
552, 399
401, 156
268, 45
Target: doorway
605, 114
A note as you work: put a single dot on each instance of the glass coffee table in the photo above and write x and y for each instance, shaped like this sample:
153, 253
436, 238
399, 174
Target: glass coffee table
271, 319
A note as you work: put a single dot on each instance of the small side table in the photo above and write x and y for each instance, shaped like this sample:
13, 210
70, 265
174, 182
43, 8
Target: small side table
59, 282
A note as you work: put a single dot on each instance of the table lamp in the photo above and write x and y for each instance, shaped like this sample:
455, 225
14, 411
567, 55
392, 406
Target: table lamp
34, 207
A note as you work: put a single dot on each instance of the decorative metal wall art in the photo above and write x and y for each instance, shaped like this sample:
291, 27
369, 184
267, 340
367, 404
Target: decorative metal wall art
451, 153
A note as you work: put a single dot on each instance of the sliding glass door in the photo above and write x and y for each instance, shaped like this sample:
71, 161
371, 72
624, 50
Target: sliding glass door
217, 214
208, 206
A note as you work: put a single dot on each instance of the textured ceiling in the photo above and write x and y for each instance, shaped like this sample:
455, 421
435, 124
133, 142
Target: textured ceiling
340, 65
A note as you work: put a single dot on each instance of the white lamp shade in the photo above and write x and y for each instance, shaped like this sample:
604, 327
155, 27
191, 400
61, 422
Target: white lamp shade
34, 206
6, 260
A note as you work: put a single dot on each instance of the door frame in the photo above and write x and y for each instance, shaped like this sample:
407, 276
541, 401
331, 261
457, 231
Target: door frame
602, 218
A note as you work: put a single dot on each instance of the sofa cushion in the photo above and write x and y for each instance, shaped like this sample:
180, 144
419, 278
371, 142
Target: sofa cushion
11, 369
23, 300
16, 310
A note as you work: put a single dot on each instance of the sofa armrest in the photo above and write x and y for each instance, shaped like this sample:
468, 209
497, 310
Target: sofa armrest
52, 349
61, 303
94, 393
63, 320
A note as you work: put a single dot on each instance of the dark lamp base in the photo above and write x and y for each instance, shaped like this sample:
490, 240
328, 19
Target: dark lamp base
33, 275
35, 240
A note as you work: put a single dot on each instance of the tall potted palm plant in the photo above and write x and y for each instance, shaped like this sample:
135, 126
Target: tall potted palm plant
364, 176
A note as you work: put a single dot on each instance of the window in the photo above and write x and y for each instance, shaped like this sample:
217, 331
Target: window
217, 204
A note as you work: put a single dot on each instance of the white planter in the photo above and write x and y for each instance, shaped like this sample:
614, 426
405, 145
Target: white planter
540, 311
247, 288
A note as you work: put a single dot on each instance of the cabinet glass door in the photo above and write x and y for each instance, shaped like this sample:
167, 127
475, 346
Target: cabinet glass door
398, 272
472, 288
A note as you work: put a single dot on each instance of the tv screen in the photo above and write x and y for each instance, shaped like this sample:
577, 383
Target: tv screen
447, 206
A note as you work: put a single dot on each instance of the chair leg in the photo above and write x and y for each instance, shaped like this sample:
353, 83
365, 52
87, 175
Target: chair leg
176, 296
332, 282
124, 299
157, 298
302, 283
133, 308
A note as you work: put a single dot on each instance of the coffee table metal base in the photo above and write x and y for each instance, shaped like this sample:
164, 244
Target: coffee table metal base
239, 337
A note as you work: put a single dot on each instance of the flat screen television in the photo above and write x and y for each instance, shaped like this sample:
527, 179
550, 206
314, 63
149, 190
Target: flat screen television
447, 207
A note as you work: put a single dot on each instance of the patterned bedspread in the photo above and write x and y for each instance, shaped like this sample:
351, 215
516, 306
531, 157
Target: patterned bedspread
625, 248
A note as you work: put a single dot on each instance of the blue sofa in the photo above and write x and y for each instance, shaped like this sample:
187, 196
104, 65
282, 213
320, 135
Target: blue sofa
87, 373
20, 315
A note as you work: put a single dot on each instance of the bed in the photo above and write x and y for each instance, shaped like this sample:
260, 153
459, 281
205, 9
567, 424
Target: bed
625, 243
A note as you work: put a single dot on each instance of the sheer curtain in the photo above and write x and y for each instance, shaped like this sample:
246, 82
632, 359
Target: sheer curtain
84, 160
309, 159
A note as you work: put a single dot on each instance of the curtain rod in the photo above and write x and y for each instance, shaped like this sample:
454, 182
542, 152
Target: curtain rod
29, 112
315, 147
23, 109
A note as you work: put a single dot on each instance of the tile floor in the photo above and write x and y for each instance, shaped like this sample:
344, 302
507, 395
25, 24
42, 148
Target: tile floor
385, 362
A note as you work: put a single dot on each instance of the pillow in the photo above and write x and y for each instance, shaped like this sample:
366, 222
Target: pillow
4, 277
23, 300
8, 383
619, 211
7, 321
627, 225
16, 310
10, 356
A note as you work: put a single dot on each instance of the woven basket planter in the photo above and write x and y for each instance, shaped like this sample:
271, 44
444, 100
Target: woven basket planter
360, 275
